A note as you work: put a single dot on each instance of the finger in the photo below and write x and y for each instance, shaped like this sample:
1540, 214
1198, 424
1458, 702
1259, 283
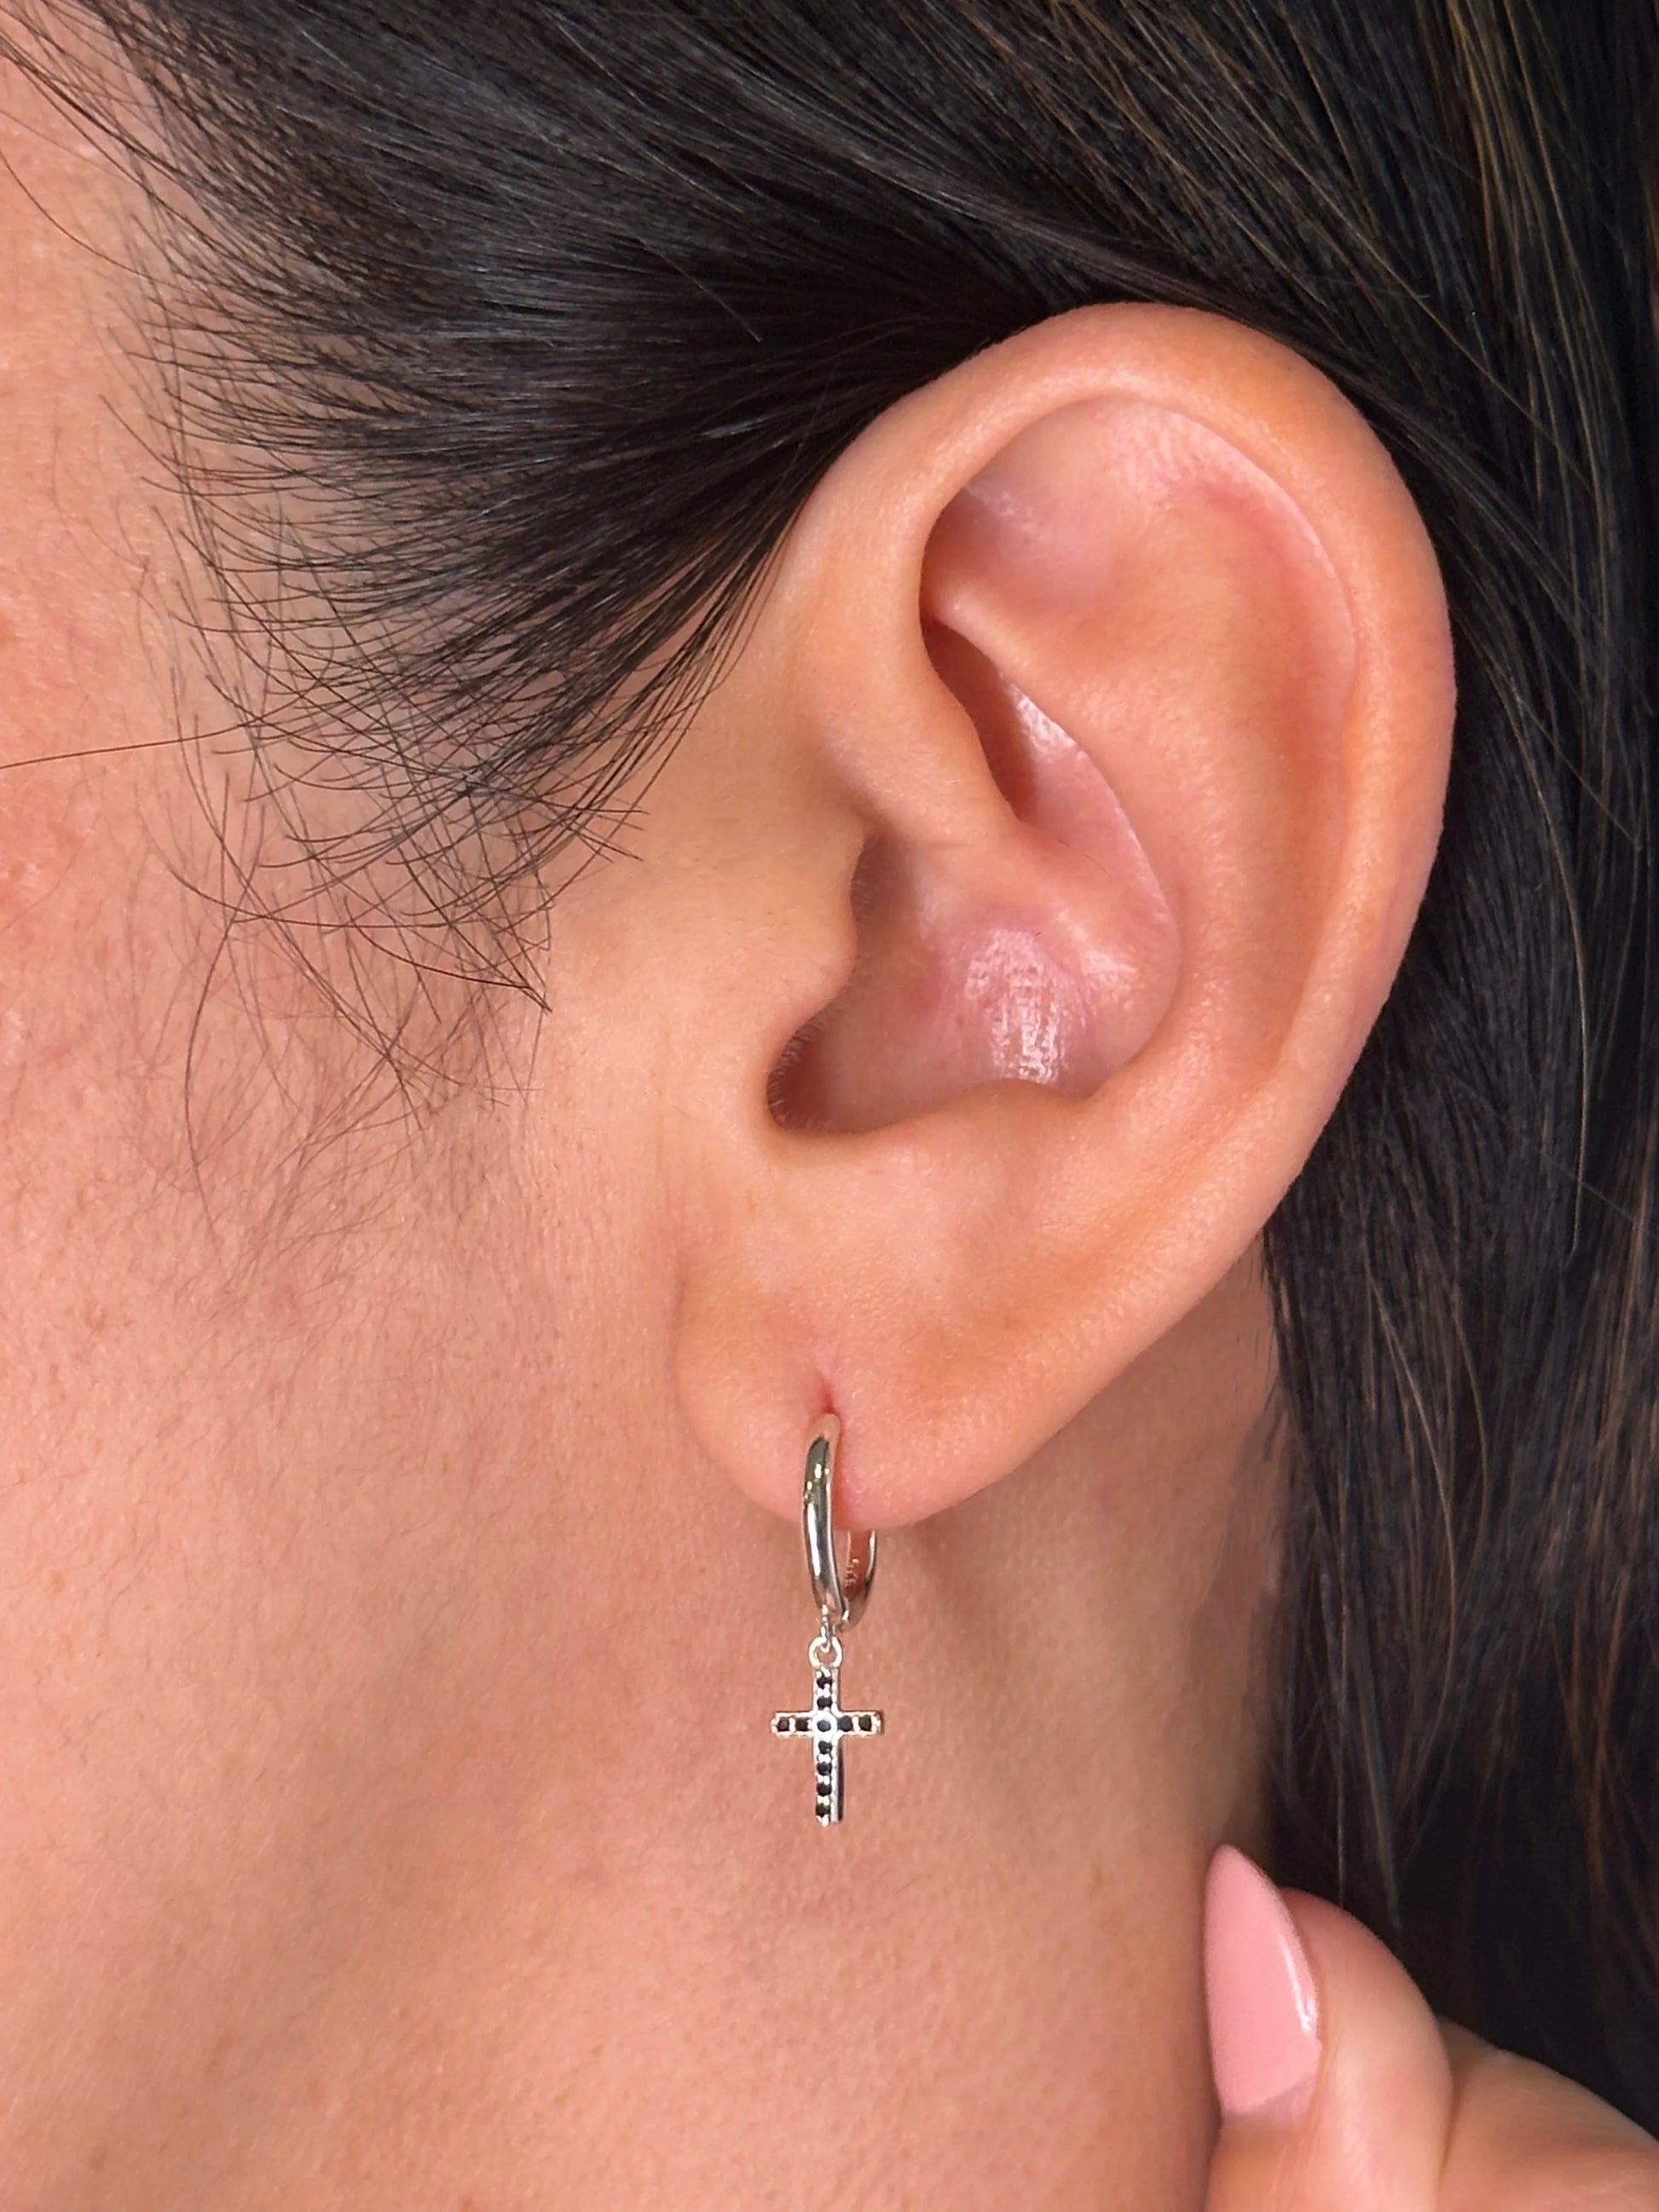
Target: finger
1528, 2141
1335, 2088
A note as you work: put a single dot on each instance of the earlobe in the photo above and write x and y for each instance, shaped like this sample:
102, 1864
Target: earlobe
1146, 743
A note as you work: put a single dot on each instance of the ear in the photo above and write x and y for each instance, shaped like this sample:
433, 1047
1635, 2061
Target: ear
1077, 783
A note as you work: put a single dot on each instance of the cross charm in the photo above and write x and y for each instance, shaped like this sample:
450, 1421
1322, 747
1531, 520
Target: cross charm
827, 1725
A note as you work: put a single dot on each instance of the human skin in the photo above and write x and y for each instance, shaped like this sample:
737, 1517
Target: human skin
400, 1555
390, 1815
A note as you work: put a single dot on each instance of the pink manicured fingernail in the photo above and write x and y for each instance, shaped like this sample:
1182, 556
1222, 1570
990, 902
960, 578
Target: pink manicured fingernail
1264, 2007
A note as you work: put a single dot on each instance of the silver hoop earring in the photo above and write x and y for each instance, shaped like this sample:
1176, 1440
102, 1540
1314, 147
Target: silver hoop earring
841, 1596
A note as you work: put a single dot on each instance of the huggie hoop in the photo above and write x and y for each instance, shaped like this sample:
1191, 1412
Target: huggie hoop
840, 1599
841, 1596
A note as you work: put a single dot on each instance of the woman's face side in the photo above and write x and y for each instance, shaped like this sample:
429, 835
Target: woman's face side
387, 1768
297, 1374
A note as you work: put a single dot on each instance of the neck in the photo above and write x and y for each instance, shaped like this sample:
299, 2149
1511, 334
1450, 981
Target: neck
543, 1914
987, 1976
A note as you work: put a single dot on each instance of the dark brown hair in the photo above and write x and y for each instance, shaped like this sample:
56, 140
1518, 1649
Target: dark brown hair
536, 319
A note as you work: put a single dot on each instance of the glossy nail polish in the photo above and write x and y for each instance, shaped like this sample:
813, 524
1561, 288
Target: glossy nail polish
1263, 2003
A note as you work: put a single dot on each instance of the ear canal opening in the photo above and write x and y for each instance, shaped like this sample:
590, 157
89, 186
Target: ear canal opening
1046, 955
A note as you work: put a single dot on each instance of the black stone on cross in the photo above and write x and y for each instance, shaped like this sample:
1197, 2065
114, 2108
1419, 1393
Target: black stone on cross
829, 1728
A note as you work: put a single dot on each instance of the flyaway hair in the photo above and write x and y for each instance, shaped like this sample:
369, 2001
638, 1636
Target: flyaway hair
503, 342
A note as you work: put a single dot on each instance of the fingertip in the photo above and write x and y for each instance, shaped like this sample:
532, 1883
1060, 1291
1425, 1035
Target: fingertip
1389, 2075
1368, 2124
